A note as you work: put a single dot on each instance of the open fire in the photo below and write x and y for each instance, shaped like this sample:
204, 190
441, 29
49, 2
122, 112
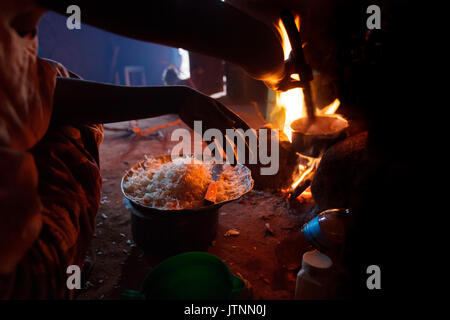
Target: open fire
289, 107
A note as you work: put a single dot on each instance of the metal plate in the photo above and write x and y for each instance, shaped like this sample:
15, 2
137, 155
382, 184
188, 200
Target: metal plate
246, 180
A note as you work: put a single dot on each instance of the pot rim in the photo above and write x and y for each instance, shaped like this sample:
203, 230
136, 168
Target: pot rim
178, 211
325, 135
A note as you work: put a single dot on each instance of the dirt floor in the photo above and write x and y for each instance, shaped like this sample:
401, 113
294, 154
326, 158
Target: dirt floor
120, 264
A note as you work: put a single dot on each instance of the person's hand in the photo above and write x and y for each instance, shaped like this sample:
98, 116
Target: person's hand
213, 114
317, 18
287, 81
287, 161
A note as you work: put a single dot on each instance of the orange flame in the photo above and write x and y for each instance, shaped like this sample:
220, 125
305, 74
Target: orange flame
292, 100
292, 105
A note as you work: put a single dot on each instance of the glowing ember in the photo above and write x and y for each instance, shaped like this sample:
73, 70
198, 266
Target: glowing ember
304, 170
303, 174
306, 196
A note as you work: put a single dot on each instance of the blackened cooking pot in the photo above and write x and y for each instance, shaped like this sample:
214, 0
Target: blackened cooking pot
169, 232
313, 142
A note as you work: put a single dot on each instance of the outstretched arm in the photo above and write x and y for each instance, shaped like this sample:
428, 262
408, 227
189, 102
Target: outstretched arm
80, 101
208, 27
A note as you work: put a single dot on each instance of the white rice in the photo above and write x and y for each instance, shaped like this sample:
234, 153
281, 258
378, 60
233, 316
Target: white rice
182, 183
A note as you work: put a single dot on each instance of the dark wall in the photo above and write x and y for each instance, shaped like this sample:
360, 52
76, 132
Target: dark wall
98, 55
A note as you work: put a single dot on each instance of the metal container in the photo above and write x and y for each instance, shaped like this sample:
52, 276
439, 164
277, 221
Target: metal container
312, 143
171, 232
168, 232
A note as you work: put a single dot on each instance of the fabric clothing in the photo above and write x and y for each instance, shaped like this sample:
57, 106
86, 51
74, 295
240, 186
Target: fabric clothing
50, 181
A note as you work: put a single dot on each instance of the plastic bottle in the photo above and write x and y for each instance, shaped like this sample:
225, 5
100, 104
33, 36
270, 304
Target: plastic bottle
315, 278
325, 232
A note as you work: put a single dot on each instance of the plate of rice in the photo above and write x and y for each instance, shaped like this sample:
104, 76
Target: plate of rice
173, 185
